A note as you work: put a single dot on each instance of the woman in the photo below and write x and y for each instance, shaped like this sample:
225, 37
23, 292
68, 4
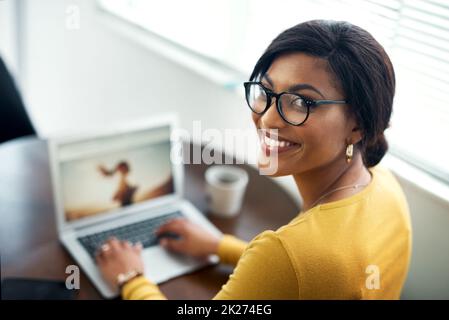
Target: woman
125, 191
327, 89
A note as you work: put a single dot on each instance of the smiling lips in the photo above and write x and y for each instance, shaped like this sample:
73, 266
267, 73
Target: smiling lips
271, 143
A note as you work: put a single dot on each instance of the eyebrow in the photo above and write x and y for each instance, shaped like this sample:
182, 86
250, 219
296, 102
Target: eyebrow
295, 87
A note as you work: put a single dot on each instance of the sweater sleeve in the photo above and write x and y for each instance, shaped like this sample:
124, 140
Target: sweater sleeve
141, 288
264, 272
230, 249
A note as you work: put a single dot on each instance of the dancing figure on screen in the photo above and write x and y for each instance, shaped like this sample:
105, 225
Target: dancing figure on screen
125, 191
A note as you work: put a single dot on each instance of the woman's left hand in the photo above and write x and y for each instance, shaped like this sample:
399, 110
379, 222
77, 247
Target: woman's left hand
116, 257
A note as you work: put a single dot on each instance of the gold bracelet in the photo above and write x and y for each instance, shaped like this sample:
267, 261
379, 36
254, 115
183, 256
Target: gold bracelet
124, 278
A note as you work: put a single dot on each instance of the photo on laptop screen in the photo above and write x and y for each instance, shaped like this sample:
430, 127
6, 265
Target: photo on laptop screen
107, 173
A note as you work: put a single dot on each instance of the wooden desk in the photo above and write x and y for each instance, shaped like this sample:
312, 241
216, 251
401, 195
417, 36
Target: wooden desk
28, 238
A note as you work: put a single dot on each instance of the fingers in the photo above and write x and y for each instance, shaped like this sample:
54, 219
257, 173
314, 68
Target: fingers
173, 244
112, 246
105, 250
126, 245
99, 257
101, 253
138, 247
175, 225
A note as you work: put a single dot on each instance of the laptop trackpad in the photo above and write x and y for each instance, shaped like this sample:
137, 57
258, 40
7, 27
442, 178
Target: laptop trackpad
162, 265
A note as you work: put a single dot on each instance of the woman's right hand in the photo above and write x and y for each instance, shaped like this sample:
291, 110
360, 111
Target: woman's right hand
193, 240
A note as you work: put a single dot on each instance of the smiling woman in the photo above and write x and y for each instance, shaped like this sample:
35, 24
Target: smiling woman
332, 85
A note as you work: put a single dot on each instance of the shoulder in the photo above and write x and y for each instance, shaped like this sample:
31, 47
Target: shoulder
387, 197
267, 244
264, 271
385, 179
270, 248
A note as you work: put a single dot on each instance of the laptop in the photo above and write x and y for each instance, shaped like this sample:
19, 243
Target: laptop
123, 183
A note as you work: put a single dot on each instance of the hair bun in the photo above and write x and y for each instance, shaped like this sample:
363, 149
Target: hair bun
373, 153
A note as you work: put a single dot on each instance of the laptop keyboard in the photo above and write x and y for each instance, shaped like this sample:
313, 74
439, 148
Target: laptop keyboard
143, 231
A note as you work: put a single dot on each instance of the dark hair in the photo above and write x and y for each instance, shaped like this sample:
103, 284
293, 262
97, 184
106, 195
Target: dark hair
358, 63
124, 165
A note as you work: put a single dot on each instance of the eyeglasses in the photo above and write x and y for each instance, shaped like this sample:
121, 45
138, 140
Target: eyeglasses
292, 107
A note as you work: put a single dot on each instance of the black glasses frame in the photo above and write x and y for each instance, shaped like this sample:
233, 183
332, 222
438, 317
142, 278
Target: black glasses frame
270, 95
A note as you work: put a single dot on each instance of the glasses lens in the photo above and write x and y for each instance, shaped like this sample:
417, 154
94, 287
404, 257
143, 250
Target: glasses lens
256, 97
293, 108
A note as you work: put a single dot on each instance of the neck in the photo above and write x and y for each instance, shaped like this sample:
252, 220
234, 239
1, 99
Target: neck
313, 184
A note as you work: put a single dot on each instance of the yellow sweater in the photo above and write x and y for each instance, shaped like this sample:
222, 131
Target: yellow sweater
355, 248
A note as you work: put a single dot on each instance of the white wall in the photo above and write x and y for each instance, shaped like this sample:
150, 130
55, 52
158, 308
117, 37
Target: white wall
8, 44
78, 79
429, 271
90, 76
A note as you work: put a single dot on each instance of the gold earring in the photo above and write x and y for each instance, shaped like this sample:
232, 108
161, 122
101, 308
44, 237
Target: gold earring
349, 152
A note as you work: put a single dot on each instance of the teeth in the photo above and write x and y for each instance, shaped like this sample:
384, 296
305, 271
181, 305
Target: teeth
276, 143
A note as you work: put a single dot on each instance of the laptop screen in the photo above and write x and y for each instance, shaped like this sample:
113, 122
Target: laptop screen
108, 173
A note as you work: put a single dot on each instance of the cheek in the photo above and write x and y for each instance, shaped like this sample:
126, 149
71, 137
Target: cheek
324, 139
255, 117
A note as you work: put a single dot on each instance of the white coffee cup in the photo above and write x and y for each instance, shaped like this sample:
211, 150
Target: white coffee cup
225, 187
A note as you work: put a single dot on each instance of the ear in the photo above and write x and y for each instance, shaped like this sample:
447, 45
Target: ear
355, 134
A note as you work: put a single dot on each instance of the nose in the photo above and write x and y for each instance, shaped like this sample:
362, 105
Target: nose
271, 119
